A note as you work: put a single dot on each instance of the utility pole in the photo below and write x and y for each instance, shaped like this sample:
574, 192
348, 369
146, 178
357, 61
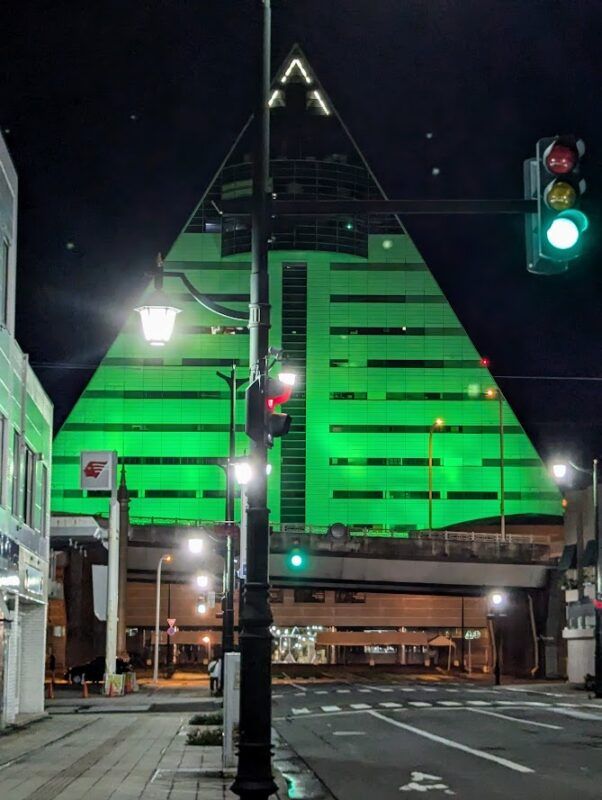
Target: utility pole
254, 779
123, 498
598, 595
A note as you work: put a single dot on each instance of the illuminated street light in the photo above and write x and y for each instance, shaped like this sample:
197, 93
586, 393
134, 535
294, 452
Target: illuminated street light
497, 599
206, 639
559, 470
287, 378
243, 472
158, 318
195, 545
202, 581
201, 608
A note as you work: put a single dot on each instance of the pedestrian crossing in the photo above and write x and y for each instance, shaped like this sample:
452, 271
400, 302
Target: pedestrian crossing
434, 704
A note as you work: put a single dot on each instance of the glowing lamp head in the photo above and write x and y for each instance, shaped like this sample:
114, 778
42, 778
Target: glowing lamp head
287, 378
560, 196
168, 559
559, 470
497, 599
563, 233
206, 639
243, 472
490, 393
201, 608
202, 581
484, 362
158, 318
560, 159
296, 560
438, 423
195, 546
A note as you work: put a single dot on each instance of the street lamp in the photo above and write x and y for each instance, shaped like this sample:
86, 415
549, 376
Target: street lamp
158, 318
195, 545
167, 559
496, 394
560, 471
243, 471
497, 608
436, 426
202, 581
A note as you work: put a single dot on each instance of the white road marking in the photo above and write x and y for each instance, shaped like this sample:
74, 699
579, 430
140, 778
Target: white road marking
516, 719
452, 690
429, 689
300, 710
364, 691
378, 689
277, 696
390, 705
417, 784
477, 703
407, 689
343, 691
348, 733
478, 691
573, 712
299, 694
360, 706
297, 686
419, 704
331, 708
321, 691
449, 703
533, 691
504, 762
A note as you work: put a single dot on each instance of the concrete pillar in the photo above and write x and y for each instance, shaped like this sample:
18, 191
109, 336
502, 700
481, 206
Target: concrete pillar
123, 498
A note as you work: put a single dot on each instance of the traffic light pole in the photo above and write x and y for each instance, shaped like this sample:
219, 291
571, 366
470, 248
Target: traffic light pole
598, 594
254, 779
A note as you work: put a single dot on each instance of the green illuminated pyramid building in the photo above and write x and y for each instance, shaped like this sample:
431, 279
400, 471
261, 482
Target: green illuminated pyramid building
380, 353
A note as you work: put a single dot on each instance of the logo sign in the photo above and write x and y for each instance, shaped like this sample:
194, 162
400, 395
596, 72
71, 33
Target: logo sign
472, 634
98, 469
171, 626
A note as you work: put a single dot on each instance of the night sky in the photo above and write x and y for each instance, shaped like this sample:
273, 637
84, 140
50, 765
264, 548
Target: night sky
118, 114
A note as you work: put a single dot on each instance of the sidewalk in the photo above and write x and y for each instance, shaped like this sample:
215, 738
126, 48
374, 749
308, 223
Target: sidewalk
111, 757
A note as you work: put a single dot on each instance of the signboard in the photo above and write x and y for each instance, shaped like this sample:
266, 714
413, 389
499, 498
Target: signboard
98, 470
472, 635
231, 690
34, 581
171, 629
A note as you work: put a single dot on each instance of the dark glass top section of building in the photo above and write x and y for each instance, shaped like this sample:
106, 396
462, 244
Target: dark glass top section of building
313, 157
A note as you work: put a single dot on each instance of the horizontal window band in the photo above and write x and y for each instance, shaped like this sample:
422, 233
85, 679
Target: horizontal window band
338, 266
423, 429
399, 331
421, 396
406, 363
149, 394
133, 427
426, 299
182, 493
196, 266
163, 461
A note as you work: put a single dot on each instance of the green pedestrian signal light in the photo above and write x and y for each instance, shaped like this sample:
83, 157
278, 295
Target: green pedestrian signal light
297, 559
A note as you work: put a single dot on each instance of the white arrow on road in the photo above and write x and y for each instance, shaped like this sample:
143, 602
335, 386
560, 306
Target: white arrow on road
423, 782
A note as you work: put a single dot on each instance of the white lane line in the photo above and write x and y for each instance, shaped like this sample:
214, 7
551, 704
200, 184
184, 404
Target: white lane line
419, 704
477, 703
343, 691
407, 689
516, 719
429, 689
504, 762
277, 696
573, 712
378, 689
348, 733
452, 690
331, 708
532, 691
321, 691
449, 703
364, 691
478, 691
297, 686
300, 710
299, 694
390, 705
360, 706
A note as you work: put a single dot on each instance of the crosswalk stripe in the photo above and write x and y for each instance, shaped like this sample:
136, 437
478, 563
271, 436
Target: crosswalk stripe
419, 704
452, 691
331, 708
360, 706
428, 689
407, 689
478, 703
300, 710
390, 705
448, 703
277, 696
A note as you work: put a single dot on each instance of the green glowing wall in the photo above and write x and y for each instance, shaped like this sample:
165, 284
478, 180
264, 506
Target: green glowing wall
384, 355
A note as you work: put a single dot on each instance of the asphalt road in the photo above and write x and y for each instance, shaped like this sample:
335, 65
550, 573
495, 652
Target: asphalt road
469, 741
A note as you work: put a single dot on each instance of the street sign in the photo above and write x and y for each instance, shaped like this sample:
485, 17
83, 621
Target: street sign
98, 470
171, 626
472, 634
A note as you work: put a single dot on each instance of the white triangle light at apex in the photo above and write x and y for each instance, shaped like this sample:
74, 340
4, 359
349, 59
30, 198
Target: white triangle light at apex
296, 63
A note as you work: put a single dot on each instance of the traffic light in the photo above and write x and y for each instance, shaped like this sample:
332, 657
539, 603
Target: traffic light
263, 423
296, 558
554, 232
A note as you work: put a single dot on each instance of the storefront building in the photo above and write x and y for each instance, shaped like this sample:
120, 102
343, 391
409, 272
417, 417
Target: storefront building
25, 453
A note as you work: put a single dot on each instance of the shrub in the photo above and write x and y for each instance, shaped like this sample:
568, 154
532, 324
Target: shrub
214, 718
211, 737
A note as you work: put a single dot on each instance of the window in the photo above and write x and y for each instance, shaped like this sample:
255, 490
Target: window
344, 596
16, 474
3, 465
26, 510
4, 265
310, 595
